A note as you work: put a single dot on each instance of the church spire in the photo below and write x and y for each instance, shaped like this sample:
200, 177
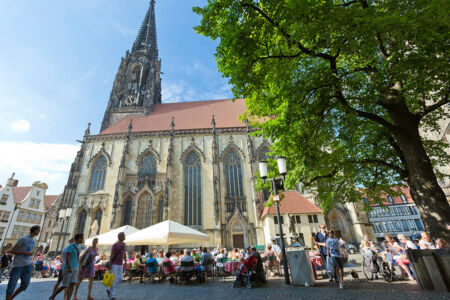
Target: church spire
146, 38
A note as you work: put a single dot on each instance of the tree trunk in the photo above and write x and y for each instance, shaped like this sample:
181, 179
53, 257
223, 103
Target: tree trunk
425, 190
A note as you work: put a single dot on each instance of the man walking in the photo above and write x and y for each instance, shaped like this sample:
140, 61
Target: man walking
117, 259
22, 267
57, 289
335, 256
71, 263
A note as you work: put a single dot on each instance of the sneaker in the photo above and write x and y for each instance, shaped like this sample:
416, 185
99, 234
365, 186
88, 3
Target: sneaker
341, 286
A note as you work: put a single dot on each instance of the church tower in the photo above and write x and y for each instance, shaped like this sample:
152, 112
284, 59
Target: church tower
137, 86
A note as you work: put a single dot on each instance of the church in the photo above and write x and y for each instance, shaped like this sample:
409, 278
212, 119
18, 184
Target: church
191, 162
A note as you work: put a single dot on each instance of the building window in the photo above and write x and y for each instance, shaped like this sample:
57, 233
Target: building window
398, 226
26, 219
126, 215
15, 232
419, 224
233, 176
275, 220
46, 237
98, 175
37, 193
81, 221
313, 219
4, 215
405, 225
36, 203
403, 198
38, 219
148, 166
192, 190
412, 224
31, 203
160, 211
4, 199
32, 218
2, 230
298, 220
20, 216
391, 201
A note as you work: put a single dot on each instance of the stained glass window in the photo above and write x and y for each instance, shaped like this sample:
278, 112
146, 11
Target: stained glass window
148, 166
81, 221
143, 219
126, 215
192, 190
233, 176
98, 175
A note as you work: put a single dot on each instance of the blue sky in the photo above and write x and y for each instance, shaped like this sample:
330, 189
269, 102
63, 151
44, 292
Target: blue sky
58, 60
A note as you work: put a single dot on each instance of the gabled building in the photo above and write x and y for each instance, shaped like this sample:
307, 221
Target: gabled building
300, 220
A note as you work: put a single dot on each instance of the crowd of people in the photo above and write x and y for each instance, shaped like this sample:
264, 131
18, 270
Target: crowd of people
73, 265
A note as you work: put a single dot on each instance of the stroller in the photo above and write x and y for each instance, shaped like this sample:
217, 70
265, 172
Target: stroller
246, 278
374, 266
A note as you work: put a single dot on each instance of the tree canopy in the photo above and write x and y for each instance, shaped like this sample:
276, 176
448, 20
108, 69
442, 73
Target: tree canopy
351, 88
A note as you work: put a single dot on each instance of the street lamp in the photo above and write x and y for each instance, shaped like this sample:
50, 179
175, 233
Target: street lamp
281, 162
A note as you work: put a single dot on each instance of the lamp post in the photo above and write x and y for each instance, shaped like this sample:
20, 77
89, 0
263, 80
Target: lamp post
9, 225
281, 162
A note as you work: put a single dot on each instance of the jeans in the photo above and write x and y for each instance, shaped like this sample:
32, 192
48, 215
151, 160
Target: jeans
24, 273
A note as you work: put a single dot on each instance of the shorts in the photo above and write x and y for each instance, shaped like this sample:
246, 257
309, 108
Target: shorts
402, 261
24, 273
69, 278
337, 262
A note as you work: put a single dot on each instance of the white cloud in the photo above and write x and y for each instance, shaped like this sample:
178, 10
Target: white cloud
49, 163
20, 125
181, 91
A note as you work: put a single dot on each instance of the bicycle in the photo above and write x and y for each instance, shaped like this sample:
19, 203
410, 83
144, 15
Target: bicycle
374, 267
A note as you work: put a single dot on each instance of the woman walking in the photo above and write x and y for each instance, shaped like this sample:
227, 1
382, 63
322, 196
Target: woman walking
87, 263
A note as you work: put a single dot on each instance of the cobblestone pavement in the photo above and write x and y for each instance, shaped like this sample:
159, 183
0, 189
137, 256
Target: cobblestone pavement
219, 289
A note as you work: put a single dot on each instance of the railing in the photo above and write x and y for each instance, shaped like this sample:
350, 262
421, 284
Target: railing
153, 181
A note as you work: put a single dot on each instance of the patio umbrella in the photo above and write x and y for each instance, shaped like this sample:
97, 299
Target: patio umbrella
166, 233
110, 237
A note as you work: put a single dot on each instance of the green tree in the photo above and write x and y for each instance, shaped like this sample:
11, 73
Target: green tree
345, 89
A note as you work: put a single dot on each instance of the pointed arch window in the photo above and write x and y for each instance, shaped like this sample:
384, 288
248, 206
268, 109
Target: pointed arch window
192, 190
160, 211
126, 214
233, 175
144, 216
98, 175
148, 166
81, 221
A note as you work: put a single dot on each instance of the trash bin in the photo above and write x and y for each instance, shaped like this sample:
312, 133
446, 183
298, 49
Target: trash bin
431, 268
300, 268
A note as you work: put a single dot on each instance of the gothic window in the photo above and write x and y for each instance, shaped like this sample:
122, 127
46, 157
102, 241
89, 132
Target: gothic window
233, 175
98, 175
126, 212
148, 166
81, 221
144, 217
192, 190
98, 217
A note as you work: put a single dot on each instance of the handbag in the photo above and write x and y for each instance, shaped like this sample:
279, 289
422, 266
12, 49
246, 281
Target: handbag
108, 279
85, 260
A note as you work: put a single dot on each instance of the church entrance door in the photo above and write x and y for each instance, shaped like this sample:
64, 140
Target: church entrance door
238, 241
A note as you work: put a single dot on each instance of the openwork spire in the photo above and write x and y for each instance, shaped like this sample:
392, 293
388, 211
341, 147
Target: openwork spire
146, 38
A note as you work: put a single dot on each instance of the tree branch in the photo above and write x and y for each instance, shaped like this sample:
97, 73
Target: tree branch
329, 175
281, 56
378, 162
431, 108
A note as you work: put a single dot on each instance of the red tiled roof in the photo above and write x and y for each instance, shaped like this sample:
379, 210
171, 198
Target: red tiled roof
397, 199
187, 115
20, 192
49, 200
293, 203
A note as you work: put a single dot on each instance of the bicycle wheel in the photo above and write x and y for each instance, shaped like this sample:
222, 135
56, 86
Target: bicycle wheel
367, 273
387, 274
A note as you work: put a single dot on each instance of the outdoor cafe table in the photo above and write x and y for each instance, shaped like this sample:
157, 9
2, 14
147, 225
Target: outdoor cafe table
232, 266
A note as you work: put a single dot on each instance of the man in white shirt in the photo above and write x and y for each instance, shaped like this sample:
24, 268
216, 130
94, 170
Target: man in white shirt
186, 258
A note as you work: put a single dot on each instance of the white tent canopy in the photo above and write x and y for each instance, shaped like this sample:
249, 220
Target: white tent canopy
166, 233
110, 237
